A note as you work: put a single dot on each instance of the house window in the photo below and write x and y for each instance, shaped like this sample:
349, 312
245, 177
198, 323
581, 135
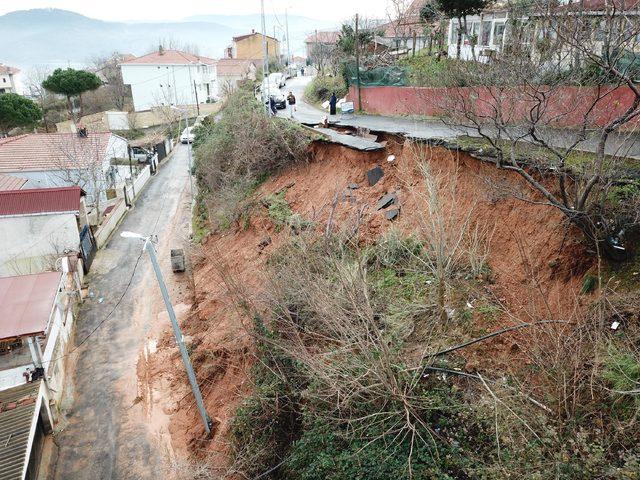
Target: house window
498, 34
485, 34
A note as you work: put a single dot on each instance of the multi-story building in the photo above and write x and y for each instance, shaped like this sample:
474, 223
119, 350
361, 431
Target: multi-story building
170, 78
250, 47
10, 80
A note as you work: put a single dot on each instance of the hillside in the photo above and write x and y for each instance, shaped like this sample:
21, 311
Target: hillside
33, 37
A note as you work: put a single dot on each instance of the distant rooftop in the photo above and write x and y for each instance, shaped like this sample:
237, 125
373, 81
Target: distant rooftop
253, 33
7, 70
169, 57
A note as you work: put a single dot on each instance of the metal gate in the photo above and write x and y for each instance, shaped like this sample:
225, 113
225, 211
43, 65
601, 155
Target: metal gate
88, 248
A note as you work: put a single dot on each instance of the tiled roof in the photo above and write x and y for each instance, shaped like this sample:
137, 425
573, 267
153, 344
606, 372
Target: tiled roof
17, 414
328, 38
7, 182
26, 302
52, 151
40, 200
169, 57
6, 69
234, 66
248, 35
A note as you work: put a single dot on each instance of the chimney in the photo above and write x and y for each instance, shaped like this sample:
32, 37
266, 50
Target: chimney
253, 30
160, 50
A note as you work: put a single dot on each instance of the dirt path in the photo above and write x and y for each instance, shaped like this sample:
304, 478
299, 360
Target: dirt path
113, 428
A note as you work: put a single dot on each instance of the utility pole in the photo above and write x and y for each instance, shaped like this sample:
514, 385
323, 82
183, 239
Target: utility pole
286, 17
148, 247
195, 89
358, 65
265, 62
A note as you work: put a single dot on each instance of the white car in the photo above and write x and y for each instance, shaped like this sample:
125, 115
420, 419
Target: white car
187, 135
277, 78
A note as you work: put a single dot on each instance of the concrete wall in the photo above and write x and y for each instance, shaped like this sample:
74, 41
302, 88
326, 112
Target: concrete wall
566, 107
166, 85
29, 244
110, 223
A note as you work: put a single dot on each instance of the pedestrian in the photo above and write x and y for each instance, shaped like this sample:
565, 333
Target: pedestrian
333, 102
302, 71
272, 106
291, 100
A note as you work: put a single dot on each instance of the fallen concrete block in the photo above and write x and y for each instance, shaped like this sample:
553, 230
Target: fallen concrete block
392, 214
386, 201
374, 175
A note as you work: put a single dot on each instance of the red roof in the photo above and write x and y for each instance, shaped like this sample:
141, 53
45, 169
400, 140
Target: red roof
7, 182
40, 200
327, 38
26, 303
249, 35
6, 69
234, 66
52, 151
169, 57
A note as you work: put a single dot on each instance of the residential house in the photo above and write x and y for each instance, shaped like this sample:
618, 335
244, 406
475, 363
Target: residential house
485, 38
321, 40
404, 32
36, 322
170, 78
39, 226
64, 159
232, 71
10, 80
250, 47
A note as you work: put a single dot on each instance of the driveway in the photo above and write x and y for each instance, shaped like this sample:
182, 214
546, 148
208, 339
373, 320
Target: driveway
108, 432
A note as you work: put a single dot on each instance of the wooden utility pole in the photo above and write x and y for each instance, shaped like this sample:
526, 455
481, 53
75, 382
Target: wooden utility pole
358, 65
195, 89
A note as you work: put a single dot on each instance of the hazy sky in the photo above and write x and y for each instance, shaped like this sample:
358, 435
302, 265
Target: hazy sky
152, 10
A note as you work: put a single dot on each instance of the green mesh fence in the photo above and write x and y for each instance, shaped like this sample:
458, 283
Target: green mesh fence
378, 77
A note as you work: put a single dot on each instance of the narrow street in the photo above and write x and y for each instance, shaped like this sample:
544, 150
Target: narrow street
108, 432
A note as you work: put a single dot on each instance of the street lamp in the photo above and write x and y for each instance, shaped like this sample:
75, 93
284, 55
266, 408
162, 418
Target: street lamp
149, 248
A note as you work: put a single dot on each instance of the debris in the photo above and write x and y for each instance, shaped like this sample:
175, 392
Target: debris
387, 200
392, 214
615, 325
469, 305
391, 158
177, 260
100, 300
374, 175
265, 242
353, 186
451, 312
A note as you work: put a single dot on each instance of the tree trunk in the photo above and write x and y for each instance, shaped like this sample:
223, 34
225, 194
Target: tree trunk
459, 39
70, 107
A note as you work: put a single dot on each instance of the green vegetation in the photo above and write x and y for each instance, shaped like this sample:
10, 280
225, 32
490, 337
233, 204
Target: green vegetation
71, 83
17, 111
321, 88
235, 154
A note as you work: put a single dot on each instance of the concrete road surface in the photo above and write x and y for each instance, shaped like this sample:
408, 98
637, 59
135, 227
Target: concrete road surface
433, 128
106, 432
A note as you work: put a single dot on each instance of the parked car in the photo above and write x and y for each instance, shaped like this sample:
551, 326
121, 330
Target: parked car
142, 155
187, 135
278, 78
275, 93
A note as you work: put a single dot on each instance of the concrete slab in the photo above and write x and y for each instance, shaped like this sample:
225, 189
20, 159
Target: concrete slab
350, 141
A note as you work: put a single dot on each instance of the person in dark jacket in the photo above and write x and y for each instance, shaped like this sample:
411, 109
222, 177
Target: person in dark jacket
272, 106
333, 102
291, 100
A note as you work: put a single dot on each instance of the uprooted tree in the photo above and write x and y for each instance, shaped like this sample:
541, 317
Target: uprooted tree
563, 65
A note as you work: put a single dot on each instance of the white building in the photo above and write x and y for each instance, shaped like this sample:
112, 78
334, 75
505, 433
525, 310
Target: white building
170, 77
64, 160
10, 80
37, 227
489, 31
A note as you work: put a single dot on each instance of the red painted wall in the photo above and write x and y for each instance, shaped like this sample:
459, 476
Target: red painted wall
565, 107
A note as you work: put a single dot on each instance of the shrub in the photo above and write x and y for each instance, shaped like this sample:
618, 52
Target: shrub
321, 88
240, 150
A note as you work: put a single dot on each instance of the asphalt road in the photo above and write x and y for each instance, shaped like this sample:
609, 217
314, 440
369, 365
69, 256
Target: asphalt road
106, 433
627, 144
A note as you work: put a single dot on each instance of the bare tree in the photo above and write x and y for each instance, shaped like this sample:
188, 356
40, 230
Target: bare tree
108, 69
522, 97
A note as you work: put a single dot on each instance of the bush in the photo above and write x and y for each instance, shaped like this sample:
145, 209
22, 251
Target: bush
236, 153
321, 88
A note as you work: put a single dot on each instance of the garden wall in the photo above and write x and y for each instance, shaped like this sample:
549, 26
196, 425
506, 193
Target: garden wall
566, 106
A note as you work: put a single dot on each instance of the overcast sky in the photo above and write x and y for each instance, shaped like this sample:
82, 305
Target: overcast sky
152, 10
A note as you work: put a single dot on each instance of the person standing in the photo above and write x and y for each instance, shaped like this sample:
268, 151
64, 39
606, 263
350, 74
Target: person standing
272, 106
291, 100
333, 102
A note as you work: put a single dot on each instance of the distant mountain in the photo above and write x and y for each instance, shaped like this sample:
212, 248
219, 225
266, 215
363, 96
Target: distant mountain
59, 37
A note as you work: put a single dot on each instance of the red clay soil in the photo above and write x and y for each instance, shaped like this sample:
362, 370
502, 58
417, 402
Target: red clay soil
536, 263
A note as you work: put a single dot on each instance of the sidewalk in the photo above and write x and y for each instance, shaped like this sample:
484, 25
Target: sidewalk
627, 144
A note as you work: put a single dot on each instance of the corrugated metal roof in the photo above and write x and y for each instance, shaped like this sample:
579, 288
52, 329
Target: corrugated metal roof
40, 200
26, 302
52, 151
17, 414
7, 182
